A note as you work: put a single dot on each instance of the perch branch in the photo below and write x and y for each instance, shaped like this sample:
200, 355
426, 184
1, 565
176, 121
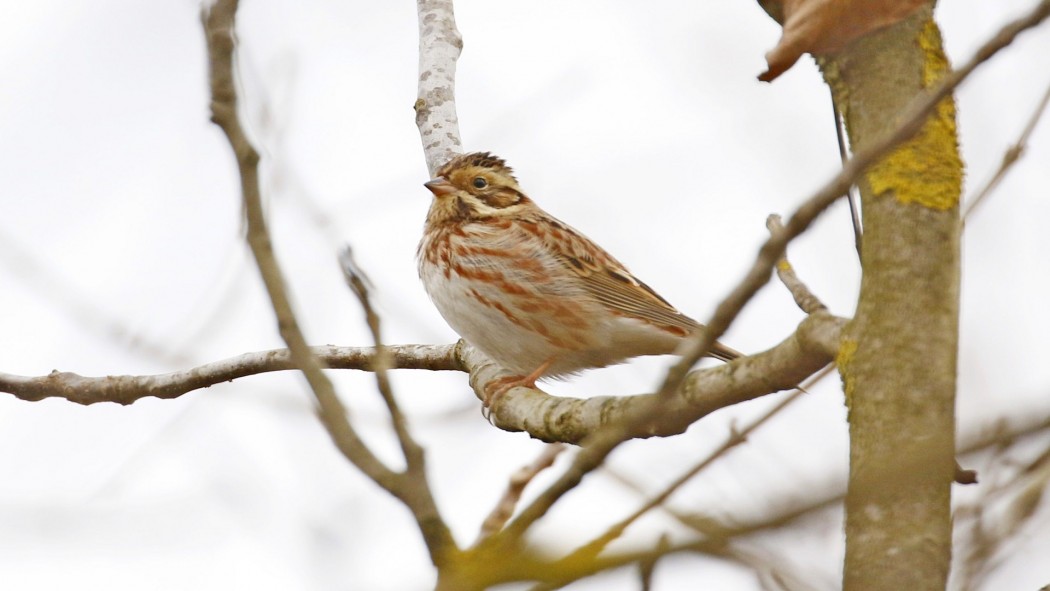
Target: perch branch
571, 420
127, 389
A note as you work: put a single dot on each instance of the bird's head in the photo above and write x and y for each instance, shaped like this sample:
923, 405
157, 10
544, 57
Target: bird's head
475, 186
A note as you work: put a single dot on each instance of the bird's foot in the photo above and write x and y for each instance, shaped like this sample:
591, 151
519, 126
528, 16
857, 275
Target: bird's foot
495, 389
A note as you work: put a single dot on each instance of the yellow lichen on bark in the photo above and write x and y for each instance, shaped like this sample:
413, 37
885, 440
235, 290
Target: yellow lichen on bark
846, 351
926, 170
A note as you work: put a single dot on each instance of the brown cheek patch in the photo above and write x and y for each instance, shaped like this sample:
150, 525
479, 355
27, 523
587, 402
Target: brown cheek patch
462, 209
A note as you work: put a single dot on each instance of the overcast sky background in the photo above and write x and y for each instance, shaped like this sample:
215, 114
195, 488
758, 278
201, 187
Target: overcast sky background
121, 252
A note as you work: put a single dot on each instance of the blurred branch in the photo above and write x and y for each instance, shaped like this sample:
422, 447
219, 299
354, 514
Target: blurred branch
414, 458
1012, 502
592, 549
803, 297
218, 24
717, 538
52, 285
518, 481
1010, 157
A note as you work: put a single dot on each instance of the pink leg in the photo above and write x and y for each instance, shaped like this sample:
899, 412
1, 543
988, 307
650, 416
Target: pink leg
497, 388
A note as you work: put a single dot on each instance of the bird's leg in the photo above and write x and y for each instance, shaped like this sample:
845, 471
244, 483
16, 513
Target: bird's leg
497, 388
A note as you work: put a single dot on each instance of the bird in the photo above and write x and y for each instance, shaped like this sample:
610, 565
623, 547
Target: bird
529, 291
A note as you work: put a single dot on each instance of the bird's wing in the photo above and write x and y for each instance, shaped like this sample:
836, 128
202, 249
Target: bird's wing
615, 287
609, 281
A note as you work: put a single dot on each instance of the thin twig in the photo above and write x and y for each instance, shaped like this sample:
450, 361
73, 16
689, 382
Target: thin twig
1012, 155
218, 24
1016, 499
716, 537
128, 389
803, 297
646, 568
735, 437
51, 284
851, 195
361, 286
515, 487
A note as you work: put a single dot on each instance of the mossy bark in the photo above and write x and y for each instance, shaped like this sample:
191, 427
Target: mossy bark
898, 360
899, 354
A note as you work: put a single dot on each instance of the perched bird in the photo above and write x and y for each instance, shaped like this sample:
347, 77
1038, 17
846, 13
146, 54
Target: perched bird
528, 290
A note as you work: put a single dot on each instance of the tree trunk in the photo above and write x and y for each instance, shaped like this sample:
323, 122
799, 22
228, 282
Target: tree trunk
898, 360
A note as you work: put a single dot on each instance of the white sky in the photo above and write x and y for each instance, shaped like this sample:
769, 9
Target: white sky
121, 252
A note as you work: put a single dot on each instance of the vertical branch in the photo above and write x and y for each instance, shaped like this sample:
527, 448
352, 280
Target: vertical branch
218, 24
382, 363
899, 354
439, 47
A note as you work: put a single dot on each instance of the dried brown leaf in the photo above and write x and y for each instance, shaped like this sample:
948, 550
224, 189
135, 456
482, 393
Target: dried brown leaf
826, 26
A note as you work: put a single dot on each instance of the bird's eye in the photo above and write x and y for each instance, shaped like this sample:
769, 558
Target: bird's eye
480, 183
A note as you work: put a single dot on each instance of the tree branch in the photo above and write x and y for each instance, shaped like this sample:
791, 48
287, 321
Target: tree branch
218, 26
439, 47
570, 420
127, 389
518, 481
415, 460
804, 298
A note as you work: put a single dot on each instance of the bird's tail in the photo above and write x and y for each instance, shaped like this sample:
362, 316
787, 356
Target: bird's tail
724, 353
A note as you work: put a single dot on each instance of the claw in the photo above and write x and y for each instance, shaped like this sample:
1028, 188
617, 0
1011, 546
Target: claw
495, 389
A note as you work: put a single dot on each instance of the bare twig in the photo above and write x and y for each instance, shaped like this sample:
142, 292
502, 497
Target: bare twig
716, 537
218, 24
515, 487
735, 437
803, 297
1012, 155
361, 286
1016, 500
49, 283
646, 568
653, 414
851, 197
127, 389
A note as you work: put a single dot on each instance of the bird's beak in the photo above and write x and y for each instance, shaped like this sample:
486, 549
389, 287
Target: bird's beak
439, 186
